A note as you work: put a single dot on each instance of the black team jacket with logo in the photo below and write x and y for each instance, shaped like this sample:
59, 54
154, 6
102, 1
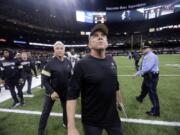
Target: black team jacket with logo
11, 69
56, 75
28, 66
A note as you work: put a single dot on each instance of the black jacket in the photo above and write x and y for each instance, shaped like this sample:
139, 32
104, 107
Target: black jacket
11, 69
28, 66
56, 75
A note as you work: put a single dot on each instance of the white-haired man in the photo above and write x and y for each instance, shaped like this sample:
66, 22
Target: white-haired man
55, 76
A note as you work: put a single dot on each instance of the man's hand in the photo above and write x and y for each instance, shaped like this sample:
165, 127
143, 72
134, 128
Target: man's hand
54, 96
119, 100
120, 106
73, 131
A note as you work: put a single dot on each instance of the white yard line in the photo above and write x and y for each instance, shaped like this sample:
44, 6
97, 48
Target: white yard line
128, 120
5, 94
162, 65
166, 75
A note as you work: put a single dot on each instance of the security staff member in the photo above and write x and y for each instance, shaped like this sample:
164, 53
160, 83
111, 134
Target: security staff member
12, 74
95, 76
55, 75
28, 66
150, 72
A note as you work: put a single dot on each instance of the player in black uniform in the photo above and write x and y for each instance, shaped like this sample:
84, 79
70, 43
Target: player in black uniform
95, 76
43, 61
28, 66
136, 56
55, 75
12, 74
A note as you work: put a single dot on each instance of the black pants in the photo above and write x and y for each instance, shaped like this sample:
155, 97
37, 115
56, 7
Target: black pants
42, 82
28, 77
149, 86
136, 64
12, 83
114, 130
48, 104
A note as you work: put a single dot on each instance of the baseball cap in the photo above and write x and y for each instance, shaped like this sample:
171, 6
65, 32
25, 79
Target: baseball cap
99, 27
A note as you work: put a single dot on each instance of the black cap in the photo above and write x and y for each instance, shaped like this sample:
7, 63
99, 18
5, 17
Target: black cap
99, 27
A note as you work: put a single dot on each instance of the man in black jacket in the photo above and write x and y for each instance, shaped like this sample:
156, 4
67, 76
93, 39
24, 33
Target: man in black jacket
12, 74
28, 66
55, 75
136, 56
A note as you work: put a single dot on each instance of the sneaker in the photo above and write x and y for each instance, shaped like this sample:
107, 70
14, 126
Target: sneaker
41, 132
29, 92
14, 105
22, 104
139, 99
153, 114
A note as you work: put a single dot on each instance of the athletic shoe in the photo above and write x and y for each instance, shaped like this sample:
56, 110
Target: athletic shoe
153, 114
139, 99
14, 105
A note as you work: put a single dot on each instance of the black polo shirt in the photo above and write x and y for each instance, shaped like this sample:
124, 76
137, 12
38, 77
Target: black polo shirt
96, 80
56, 75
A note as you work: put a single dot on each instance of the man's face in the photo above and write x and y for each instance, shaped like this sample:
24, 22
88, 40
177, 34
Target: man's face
18, 55
24, 56
98, 41
59, 50
6, 54
145, 51
28, 54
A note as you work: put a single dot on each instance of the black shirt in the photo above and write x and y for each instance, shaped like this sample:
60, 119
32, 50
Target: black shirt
28, 65
11, 69
97, 81
56, 75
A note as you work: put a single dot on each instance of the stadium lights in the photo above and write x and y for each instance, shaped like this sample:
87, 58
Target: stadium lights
168, 27
152, 30
125, 33
85, 33
40, 44
88, 33
119, 43
2, 40
51, 45
82, 33
19, 42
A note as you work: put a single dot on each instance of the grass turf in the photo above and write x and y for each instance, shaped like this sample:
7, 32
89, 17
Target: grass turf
168, 90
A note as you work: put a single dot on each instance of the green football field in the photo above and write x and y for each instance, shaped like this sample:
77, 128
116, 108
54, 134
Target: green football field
168, 91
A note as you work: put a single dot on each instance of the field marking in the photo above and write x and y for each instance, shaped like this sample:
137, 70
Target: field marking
164, 75
28, 96
161, 65
129, 120
5, 94
173, 65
